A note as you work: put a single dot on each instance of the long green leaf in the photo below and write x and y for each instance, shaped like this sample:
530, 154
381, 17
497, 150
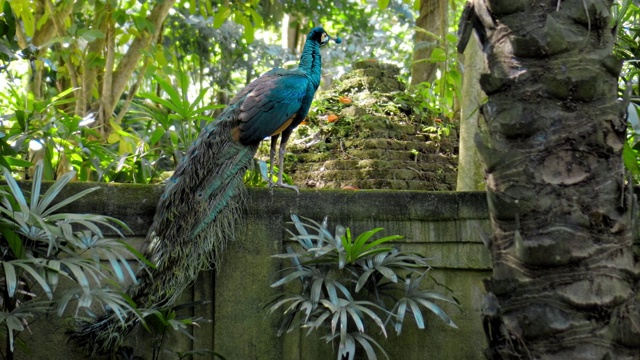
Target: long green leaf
362, 280
382, 240
417, 314
292, 276
400, 312
35, 186
14, 324
55, 100
387, 273
330, 286
365, 236
14, 241
52, 273
176, 99
115, 266
372, 252
372, 315
280, 303
80, 276
356, 319
438, 311
437, 296
15, 189
10, 278
364, 338
364, 343
156, 99
194, 106
343, 324
344, 290
122, 262
139, 256
50, 195
28, 266
53, 191
319, 321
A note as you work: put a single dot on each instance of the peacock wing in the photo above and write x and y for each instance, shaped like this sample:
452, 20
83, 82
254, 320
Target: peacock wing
270, 104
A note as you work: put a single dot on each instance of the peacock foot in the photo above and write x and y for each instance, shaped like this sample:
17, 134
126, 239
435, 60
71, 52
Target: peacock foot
280, 184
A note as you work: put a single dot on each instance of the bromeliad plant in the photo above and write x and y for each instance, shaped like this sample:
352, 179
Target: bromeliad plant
350, 286
40, 246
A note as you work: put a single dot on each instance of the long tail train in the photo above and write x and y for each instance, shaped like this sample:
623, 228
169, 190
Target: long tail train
195, 217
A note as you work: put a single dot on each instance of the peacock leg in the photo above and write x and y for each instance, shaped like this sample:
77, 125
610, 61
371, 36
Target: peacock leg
272, 155
283, 145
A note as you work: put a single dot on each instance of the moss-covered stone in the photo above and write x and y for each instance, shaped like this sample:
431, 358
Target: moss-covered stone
373, 142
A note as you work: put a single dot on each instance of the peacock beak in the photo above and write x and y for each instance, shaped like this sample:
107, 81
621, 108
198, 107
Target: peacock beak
324, 39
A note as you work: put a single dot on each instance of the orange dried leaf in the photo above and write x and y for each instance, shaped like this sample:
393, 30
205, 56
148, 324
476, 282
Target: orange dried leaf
332, 118
344, 99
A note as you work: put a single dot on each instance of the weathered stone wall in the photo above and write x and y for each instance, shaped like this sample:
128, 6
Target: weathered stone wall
442, 226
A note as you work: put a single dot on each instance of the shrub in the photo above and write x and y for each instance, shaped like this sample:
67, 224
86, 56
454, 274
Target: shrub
38, 247
350, 286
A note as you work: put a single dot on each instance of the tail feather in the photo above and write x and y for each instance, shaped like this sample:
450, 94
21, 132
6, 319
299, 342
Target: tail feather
195, 218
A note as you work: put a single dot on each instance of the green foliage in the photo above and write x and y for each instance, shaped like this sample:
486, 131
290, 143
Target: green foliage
160, 324
350, 286
219, 46
171, 124
258, 175
626, 18
40, 247
42, 129
443, 95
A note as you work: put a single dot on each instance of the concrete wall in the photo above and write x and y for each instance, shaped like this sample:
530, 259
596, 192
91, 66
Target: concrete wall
442, 226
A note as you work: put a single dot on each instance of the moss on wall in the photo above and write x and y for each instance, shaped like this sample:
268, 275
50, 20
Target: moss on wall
443, 226
366, 133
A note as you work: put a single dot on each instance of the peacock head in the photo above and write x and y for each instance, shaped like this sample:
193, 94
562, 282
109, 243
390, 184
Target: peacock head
319, 35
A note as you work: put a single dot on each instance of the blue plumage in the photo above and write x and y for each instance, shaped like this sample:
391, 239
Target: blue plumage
204, 199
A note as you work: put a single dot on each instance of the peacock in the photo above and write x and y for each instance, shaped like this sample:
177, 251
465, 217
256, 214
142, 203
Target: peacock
204, 198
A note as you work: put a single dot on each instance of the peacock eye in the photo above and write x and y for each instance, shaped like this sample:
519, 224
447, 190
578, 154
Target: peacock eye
324, 38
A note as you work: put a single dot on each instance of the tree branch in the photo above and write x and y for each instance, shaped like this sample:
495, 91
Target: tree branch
47, 31
108, 102
132, 92
94, 51
73, 73
130, 60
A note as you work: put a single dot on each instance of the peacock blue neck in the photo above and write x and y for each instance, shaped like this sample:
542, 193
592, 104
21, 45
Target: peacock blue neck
311, 61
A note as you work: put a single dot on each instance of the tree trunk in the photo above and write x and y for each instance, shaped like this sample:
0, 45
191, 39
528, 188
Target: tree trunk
562, 210
432, 18
470, 172
130, 61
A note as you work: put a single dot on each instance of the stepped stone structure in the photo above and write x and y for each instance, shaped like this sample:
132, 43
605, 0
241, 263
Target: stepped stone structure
366, 140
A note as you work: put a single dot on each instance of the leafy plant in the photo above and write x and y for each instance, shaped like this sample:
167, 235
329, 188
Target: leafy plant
160, 324
350, 286
39, 247
626, 15
257, 175
177, 116
443, 94
43, 129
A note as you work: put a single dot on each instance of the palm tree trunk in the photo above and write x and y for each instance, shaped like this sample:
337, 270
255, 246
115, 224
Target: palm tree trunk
562, 210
